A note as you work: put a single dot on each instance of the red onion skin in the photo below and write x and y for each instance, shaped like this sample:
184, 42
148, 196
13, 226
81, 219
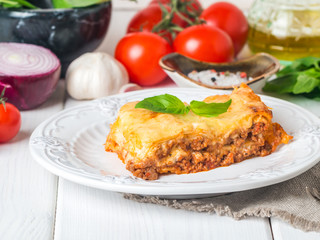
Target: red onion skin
28, 92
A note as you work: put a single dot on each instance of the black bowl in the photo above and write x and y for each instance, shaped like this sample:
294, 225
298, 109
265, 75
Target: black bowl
67, 32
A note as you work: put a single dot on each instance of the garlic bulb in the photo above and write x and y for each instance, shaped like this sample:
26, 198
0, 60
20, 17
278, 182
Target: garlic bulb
95, 75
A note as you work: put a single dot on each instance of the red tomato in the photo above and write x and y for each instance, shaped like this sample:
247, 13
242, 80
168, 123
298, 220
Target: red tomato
150, 16
145, 19
10, 122
230, 19
204, 43
140, 53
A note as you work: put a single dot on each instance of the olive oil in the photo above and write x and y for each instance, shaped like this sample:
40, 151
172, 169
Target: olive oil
288, 48
286, 33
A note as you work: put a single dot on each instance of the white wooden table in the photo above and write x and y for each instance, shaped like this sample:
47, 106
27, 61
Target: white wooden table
35, 204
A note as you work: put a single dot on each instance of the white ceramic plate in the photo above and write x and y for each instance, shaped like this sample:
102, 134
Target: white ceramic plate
70, 145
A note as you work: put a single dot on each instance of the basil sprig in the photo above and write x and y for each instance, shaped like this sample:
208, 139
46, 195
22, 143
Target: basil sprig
168, 103
302, 76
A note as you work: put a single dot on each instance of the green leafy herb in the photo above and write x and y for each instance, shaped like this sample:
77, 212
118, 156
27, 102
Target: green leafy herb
282, 84
75, 3
16, 4
307, 81
301, 77
167, 103
209, 109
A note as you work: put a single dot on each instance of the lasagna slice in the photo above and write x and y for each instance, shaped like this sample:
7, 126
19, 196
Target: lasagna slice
151, 143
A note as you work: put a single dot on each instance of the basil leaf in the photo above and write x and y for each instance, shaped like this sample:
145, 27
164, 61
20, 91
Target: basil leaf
209, 109
75, 3
16, 4
301, 64
9, 4
315, 94
307, 81
26, 4
283, 84
305, 63
285, 71
165, 103
301, 77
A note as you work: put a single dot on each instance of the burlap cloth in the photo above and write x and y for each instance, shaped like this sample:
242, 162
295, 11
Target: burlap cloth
296, 201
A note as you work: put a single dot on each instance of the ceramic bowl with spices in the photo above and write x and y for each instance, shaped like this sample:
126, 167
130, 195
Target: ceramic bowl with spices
187, 72
67, 32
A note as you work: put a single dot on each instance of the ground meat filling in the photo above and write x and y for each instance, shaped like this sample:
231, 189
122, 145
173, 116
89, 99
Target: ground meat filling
201, 154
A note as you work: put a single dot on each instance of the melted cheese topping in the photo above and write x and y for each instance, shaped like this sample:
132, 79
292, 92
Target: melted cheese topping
139, 131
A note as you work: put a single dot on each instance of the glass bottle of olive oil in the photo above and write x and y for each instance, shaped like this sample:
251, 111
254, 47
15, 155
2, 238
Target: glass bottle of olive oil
287, 29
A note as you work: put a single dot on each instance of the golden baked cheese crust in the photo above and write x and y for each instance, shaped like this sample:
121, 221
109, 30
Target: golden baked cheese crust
151, 143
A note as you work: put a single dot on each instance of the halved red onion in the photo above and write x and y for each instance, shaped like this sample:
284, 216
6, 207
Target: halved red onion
29, 73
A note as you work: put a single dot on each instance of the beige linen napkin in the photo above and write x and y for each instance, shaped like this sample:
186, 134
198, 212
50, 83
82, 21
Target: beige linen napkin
295, 201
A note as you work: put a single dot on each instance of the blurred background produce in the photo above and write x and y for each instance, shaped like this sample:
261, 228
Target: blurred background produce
287, 30
198, 33
126, 10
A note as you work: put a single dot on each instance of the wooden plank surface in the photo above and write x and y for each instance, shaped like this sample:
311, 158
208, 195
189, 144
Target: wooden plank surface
86, 213
27, 191
284, 231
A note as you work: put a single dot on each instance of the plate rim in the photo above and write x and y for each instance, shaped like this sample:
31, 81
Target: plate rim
166, 190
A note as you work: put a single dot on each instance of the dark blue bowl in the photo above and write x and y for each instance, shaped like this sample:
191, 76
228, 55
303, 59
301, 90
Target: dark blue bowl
67, 32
